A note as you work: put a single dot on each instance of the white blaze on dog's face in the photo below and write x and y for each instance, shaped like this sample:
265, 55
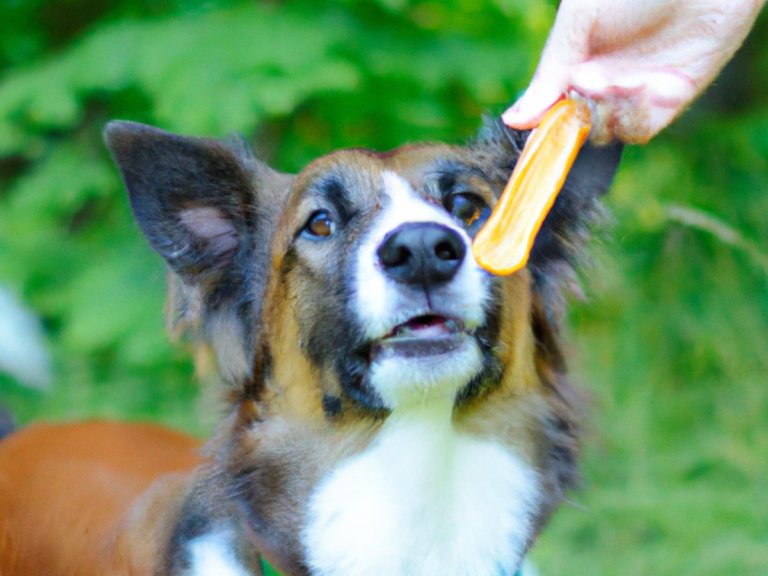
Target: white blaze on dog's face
421, 325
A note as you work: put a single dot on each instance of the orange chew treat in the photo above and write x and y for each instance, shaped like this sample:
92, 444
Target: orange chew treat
504, 243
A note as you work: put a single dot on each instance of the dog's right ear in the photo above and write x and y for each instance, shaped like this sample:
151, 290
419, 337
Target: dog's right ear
192, 197
208, 207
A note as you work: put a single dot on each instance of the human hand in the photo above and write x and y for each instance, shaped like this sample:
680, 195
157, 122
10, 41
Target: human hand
638, 62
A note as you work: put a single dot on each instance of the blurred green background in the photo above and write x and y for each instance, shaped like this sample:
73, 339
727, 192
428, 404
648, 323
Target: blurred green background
672, 343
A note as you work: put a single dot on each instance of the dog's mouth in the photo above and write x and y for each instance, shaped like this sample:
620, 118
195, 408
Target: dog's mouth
426, 326
424, 335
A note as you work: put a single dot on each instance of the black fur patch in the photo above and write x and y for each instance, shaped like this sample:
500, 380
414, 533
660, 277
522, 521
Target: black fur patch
192, 524
352, 372
253, 388
289, 261
563, 452
258, 508
331, 405
336, 193
564, 229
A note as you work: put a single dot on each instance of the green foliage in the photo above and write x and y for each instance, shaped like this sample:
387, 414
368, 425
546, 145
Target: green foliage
672, 343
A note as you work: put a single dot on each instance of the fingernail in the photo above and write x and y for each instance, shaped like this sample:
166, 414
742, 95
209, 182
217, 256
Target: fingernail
511, 115
520, 116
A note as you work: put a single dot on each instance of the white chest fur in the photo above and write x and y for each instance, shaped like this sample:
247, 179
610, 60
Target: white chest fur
213, 555
422, 500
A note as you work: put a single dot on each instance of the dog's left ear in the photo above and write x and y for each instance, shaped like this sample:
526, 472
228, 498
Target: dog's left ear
209, 208
564, 230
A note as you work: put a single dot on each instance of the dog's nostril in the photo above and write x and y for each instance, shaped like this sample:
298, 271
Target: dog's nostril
392, 254
446, 251
401, 256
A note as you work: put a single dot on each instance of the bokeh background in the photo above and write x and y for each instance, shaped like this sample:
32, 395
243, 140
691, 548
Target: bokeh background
671, 342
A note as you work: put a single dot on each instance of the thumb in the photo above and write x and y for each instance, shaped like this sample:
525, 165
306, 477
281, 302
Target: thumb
545, 90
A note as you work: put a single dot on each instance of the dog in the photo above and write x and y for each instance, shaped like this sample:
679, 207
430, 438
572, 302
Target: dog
393, 409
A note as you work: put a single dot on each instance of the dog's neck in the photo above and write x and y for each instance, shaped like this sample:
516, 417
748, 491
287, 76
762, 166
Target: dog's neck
424, 498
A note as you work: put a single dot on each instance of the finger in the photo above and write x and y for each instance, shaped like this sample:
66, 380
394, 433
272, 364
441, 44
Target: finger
639, 129
540, 96
634, 104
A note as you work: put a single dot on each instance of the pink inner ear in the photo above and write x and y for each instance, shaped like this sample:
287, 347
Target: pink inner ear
210, 224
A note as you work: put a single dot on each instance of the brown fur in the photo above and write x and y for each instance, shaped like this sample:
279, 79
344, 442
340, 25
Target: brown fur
65, 491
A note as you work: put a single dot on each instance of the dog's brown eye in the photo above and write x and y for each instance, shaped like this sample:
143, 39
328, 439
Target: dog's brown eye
470, 210
320, 224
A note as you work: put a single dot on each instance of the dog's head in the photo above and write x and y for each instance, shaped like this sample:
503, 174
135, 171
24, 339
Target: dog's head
350, 291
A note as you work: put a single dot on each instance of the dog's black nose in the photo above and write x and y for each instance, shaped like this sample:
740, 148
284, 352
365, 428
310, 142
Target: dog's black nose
423, 253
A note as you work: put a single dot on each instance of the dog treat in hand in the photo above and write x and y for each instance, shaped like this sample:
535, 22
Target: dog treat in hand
504, 243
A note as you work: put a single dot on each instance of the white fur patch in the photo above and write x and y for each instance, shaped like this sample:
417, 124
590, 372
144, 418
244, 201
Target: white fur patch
380, 304
212, 555
403, 382
423, 500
